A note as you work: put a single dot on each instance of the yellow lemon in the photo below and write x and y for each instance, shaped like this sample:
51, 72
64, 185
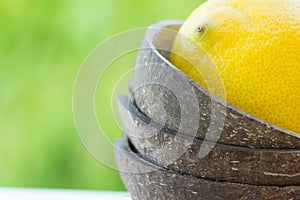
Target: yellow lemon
255, 46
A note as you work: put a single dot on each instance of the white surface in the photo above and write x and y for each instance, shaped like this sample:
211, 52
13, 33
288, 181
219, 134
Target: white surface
47, 194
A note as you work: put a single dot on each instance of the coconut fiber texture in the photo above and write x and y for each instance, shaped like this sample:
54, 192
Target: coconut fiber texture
180, 153
146, 181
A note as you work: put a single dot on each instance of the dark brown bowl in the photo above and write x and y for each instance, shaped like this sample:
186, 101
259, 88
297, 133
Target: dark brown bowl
146, 181
180, 153
158, 82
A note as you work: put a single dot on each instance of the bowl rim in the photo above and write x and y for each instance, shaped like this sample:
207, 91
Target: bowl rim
134, 112
126, 146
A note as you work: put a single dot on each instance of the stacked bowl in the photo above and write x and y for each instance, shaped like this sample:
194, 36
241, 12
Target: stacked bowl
183, 142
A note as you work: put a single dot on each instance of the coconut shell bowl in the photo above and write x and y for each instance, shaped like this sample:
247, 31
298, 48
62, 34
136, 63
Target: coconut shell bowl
183, 142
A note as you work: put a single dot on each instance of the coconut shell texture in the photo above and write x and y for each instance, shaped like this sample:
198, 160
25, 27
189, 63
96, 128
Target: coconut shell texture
157, 82
166, 148
150, 182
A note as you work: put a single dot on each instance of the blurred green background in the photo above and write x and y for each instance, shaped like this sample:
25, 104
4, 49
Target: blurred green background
42, 45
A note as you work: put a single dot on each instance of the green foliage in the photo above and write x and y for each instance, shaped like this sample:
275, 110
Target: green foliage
42, 45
